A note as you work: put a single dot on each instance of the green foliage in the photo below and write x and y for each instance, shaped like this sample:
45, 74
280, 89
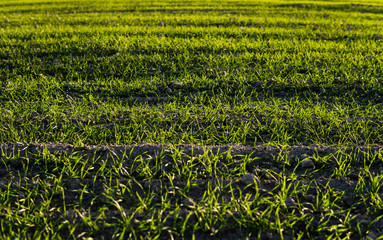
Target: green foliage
273, 73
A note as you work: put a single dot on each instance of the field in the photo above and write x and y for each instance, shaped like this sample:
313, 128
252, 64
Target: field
191, 119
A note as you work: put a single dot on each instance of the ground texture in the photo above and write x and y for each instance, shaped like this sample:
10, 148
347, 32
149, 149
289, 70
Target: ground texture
220, 192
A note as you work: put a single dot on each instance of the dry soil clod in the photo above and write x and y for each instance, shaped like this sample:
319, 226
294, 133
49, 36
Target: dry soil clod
310, 198
250, 179
290, 202
189, 202
308, 163
177, 85
161, 23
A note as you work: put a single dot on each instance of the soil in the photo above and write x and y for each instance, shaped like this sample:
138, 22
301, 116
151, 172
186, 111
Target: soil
267, 153
268, 165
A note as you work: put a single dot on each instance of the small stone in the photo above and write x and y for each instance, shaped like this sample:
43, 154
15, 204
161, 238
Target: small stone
169, 90
177, 84
372, 235
189, 202
308, 163
290, 202
3, 184
250, 179
310, 198
315, 145
161, 23
378, 37
284, 108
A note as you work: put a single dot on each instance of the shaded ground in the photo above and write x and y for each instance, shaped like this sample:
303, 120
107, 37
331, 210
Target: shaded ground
314, 191
266, 153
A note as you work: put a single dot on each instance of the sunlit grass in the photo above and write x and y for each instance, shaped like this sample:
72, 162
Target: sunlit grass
262, 77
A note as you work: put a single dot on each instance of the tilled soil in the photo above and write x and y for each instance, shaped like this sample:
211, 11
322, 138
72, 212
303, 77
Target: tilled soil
266, 153
313, 175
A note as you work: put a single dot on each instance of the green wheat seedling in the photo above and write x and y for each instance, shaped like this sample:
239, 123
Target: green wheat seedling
191, 119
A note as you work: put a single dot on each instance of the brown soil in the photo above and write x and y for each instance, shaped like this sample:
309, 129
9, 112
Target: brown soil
267, 167
267, 153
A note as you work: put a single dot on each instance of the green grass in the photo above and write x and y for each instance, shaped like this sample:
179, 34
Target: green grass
277, 82
67, 77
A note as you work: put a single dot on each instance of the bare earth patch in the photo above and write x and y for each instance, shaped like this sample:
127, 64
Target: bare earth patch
267, 153
318, 185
